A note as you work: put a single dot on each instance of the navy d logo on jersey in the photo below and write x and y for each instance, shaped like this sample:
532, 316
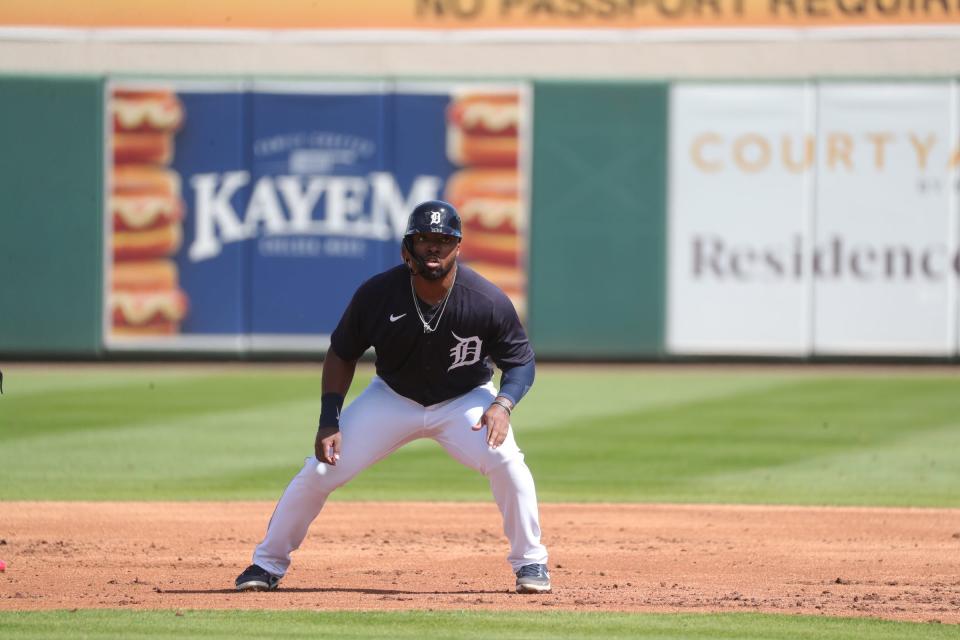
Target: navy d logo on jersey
465, 352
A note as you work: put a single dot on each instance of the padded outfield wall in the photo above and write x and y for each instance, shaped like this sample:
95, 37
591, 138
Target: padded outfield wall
793, 219
814, 218
51, 172
270, 240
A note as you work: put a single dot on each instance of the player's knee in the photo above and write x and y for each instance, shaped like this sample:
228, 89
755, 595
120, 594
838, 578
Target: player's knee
502, 463
330, 477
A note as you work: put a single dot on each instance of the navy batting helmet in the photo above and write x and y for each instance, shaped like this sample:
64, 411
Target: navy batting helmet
434, 216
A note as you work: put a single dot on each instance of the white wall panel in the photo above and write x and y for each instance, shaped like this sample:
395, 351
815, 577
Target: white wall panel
884, 254
741, 160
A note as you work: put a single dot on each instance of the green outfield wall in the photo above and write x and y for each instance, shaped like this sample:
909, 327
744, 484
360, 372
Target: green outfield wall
597, 245
797, 219
597, 190
51, 178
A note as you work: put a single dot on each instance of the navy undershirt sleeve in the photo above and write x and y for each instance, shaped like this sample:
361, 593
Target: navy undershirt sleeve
517, 381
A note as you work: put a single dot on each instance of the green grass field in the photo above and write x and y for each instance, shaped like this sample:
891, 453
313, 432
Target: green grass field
231, 625
632, 435
721, 435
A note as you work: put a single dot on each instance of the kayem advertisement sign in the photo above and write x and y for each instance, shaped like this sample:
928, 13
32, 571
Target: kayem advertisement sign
244, 217
814, 219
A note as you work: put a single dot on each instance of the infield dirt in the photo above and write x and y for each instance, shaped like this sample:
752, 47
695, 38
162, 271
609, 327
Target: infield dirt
887, 563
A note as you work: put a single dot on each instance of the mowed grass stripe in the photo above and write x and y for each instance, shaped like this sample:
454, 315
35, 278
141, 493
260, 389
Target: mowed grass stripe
763, 447
917, 470
147, 438
565, 394
190, 457
143, 398
24, 380
757, 447
229, 625
604, 435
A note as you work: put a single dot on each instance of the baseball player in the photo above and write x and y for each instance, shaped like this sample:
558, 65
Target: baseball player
436, 326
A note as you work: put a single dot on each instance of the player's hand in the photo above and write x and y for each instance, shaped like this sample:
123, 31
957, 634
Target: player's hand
497, 421
327, 445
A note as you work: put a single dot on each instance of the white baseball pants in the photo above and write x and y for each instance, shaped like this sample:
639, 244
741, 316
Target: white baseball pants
378, 423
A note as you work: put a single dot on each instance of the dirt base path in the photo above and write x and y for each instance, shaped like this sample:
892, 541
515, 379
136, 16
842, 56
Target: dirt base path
890, 563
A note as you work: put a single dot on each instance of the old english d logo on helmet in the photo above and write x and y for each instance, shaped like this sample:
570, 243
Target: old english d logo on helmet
434, 216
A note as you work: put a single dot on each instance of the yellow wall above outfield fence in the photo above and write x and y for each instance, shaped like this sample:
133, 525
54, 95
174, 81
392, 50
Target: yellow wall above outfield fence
468, 15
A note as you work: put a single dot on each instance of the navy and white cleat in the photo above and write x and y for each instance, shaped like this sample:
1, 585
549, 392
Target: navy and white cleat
256, 578
533, 578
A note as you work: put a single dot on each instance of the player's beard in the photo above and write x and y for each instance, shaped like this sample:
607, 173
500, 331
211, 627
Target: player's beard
438, 273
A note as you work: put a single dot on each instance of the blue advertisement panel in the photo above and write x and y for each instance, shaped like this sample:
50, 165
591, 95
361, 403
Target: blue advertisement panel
209, 150
266, 205
315, 162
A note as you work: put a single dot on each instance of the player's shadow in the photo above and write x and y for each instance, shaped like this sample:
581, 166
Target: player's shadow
372, 592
